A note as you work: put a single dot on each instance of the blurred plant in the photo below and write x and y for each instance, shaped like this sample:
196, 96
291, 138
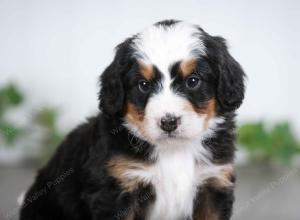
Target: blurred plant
44, 119
10, 96
275, 144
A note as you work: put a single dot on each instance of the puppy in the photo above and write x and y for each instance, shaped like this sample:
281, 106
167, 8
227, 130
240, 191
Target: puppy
162, 147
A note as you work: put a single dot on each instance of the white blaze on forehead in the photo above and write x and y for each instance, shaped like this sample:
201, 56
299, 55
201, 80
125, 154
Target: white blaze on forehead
163, 45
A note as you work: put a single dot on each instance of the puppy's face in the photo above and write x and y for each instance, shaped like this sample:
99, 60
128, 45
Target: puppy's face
172, 103
171, 82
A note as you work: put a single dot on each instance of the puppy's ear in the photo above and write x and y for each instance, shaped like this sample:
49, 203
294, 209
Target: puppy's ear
230, 84
112, 94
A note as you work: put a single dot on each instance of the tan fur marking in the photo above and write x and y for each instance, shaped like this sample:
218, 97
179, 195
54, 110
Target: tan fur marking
187, 67
133, 115
137, 118
224, 180
208, 110
146, 70
212, 216
209, 215
119, 167
130, 215
206, 211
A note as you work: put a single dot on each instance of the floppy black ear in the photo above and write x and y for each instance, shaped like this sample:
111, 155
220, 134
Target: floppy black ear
112, 94
230, 88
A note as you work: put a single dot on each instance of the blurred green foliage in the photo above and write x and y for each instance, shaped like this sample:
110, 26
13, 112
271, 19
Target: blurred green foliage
47, 119
9, 132
10, 97
278, 143
44, 119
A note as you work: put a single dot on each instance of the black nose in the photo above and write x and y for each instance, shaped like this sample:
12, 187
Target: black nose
169, 123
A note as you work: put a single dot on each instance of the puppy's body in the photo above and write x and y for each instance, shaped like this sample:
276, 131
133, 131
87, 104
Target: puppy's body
163, 146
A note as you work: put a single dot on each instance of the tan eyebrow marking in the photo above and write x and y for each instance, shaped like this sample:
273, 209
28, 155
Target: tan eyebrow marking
187, 67
146, 70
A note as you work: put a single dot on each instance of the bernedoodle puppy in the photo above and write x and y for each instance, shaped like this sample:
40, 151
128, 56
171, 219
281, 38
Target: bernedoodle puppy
162, 147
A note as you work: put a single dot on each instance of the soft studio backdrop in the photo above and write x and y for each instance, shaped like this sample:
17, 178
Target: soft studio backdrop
55, 50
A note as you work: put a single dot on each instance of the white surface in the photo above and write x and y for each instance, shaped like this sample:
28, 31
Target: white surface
56, 49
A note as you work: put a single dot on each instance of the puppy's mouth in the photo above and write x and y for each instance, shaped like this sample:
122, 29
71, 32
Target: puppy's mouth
174, 135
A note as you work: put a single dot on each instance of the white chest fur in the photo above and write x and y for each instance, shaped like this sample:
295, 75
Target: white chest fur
175, 175
175, 182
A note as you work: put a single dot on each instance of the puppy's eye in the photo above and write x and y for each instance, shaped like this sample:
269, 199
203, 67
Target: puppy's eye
193, 82
144, 86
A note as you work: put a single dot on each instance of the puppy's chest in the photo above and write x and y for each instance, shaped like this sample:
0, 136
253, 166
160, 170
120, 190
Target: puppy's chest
174, 176
175, 182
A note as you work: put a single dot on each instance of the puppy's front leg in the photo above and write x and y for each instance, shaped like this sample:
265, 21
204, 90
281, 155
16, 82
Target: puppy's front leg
123, 196
215, 197
110, 203
123, 206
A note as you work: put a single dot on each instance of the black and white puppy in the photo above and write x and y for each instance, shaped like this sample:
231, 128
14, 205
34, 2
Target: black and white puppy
162, 147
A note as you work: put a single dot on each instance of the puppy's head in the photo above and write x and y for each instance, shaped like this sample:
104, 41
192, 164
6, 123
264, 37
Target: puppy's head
172, 81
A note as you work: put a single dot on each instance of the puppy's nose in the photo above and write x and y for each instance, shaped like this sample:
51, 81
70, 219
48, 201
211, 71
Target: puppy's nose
169, 122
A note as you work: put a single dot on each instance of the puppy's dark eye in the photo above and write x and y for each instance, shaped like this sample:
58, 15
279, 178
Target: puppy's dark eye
193, 82
144, 86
